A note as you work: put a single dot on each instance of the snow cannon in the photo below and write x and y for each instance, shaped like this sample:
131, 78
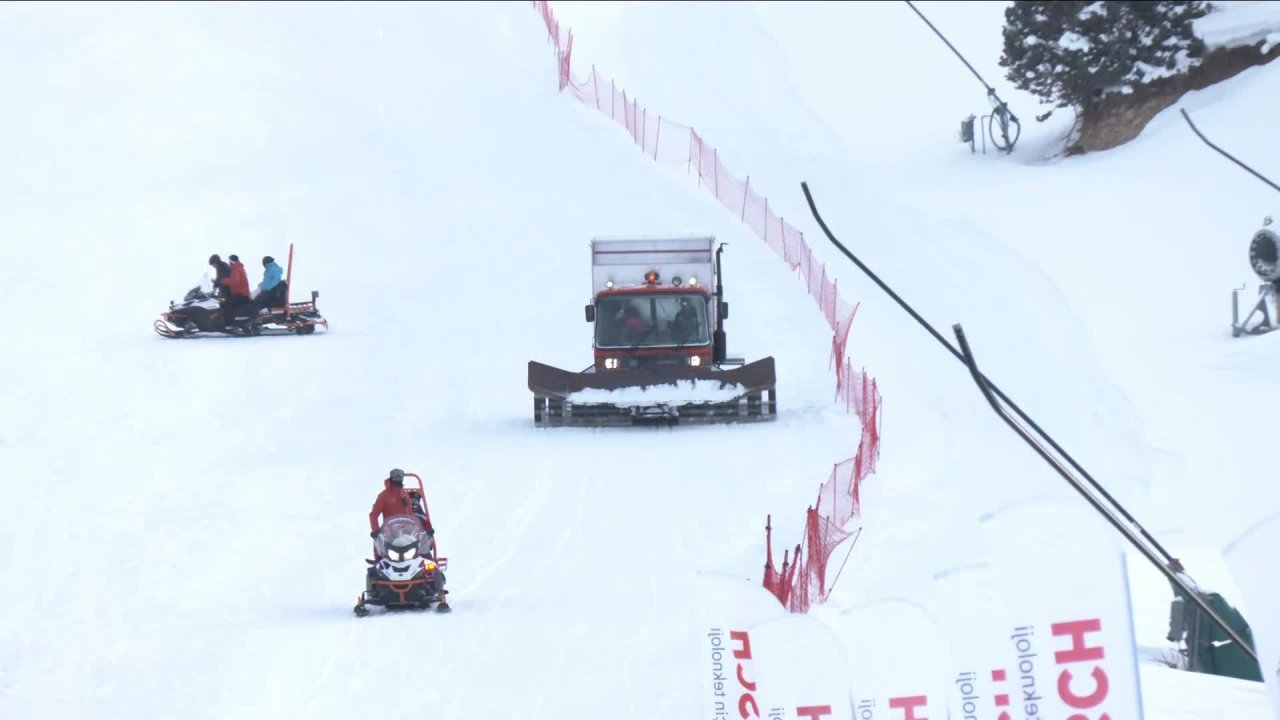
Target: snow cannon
658, 312
1264, 260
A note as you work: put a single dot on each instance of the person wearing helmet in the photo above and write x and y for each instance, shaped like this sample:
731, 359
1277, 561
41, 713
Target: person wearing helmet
392, 501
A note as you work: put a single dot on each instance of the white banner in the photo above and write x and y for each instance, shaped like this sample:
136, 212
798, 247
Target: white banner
763, 662
1252, 558
897, 662
1041, 625
1037, 626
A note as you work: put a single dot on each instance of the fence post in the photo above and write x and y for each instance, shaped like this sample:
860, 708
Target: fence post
657, 138
782, 226
835, 305
689, 166
565, 62
765, 223
595, 86
862, 409
746, 188
835, 469
822, 294
715, 157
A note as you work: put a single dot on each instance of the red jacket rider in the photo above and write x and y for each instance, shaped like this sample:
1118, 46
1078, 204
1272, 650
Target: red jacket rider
238, 281
393, 501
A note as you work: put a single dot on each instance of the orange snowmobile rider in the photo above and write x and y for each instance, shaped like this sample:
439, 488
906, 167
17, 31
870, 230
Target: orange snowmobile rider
394, 501
237, 280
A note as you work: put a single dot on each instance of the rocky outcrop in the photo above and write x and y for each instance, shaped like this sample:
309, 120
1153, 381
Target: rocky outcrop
1112, 120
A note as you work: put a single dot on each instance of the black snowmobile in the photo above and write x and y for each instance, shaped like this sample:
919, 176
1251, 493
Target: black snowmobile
407, 574
202, 313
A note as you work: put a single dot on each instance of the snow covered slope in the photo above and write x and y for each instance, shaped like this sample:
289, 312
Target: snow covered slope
1093, 289
185, 521
1240, 23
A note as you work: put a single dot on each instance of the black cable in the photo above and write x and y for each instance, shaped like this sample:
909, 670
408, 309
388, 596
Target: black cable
924, 323
1000, 104
985, 386
990, 390
953, 47
1224, 153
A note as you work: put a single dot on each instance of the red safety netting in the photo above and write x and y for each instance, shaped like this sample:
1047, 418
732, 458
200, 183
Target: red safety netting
803, 576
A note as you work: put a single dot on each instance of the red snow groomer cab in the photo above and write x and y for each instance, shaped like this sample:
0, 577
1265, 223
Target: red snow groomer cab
658, 312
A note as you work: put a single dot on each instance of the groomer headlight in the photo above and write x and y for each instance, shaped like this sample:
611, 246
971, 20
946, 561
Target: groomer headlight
695, 360
676, 281
608, 284
693, 281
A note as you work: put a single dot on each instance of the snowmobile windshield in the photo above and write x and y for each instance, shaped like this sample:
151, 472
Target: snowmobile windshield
401, 528
203, 290
652, 320
403, 538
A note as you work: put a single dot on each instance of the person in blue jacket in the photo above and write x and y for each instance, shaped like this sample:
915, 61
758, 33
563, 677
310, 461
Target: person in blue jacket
272, 292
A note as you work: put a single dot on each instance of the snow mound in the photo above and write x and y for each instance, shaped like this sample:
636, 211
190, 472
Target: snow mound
1240, 23
682, 391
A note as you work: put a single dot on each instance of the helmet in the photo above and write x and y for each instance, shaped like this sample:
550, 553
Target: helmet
234, 258
267, 260
397, 476
214, 259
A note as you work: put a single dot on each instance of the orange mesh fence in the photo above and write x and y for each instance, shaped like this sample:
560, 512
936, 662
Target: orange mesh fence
801, 579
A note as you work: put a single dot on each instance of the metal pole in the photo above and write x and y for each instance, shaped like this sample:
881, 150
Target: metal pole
924, 323
1128, 533
1226, 154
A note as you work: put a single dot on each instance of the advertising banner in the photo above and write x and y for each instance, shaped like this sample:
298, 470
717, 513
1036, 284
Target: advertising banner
762, 662
1037, 626
1042, 625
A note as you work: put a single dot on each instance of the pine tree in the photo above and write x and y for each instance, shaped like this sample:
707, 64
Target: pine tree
1068, 52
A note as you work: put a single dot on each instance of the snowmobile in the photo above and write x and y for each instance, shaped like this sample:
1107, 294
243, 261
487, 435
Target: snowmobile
202, 313
407, 573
